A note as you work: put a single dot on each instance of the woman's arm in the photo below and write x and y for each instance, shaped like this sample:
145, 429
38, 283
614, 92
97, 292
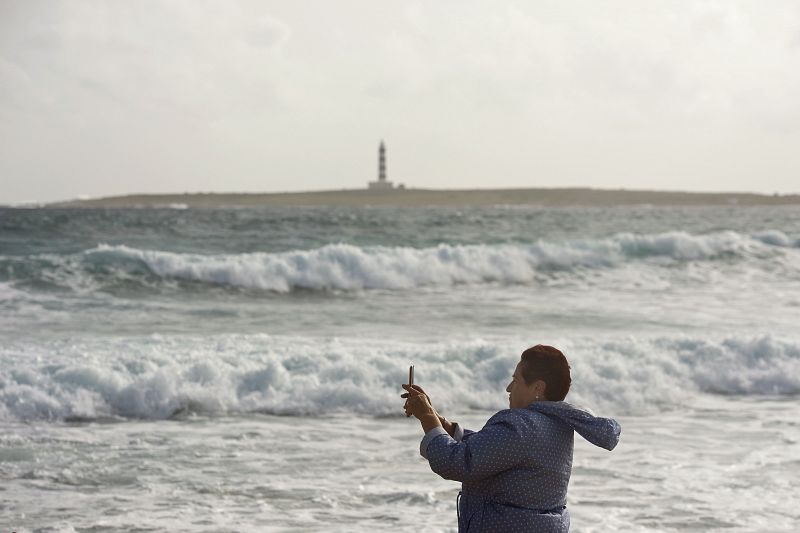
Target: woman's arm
493, 449
448, 426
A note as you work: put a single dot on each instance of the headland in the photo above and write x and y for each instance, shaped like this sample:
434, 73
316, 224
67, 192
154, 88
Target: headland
566, 197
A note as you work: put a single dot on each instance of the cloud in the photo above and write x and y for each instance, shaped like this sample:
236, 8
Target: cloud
277, 95
267, 33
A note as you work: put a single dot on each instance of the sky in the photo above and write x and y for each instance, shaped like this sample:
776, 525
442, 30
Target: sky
102, 98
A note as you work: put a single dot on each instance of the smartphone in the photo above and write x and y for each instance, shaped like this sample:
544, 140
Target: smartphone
411, 375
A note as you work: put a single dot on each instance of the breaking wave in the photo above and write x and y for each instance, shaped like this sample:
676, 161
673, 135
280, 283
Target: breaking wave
344, 267
162, 377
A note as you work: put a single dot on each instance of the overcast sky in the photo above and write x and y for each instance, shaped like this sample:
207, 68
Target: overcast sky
103, 98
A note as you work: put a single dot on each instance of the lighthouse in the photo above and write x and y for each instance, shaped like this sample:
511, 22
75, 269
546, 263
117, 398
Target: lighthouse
382, 162
382, 183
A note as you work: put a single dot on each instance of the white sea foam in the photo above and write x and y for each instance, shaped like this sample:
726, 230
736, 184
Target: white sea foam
8, 292
347, 267
160, 377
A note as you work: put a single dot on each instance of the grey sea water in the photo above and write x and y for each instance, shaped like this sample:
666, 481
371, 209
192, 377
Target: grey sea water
239, 369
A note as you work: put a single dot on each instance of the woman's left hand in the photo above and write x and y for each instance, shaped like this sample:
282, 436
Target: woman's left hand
418, 403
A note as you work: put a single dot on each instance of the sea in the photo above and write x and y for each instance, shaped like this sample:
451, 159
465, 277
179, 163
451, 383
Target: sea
237, 370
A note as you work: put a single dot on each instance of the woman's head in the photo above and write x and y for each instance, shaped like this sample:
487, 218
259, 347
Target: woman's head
541, 374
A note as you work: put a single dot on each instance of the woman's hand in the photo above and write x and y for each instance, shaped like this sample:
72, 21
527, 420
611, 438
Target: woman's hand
419, 404
415, 389
448, 426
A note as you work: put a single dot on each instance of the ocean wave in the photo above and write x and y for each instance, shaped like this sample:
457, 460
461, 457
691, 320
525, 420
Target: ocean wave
162, 377
345, 267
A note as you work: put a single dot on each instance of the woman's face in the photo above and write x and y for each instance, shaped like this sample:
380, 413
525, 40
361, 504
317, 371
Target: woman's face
520, 394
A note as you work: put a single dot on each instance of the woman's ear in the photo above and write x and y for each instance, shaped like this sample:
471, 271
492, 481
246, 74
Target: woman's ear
539, 388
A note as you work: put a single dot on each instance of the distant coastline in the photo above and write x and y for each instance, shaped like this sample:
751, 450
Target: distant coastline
428, 197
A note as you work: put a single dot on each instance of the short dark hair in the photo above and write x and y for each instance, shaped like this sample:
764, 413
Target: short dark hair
548, 364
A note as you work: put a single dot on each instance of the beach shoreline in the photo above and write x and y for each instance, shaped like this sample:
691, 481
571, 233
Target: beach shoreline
565, 197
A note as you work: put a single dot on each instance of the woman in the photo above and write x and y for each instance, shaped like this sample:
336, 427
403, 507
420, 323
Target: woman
515, 471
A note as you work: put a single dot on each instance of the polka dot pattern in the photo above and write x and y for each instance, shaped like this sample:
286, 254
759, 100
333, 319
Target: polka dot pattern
515, 470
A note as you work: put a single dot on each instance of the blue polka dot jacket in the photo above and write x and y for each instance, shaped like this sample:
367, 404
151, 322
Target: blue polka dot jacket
515, 471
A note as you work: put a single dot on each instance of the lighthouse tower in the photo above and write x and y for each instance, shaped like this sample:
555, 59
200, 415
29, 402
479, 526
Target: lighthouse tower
382, 183
382, 162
